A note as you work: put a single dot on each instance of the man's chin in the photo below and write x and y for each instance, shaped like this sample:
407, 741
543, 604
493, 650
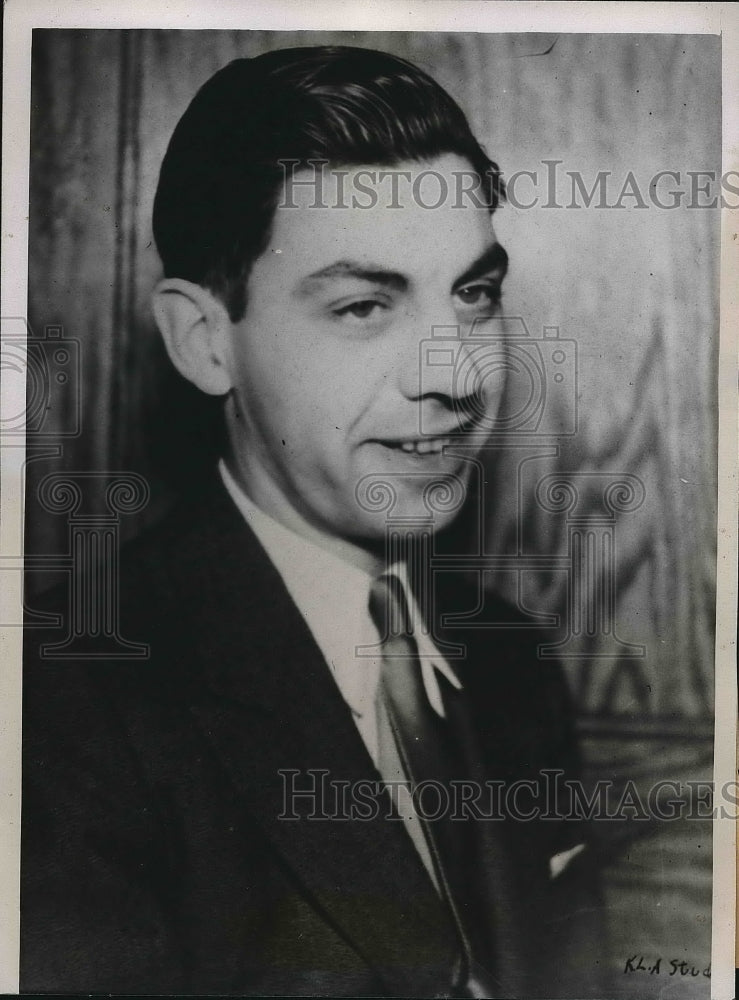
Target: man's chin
384, 506
430, 493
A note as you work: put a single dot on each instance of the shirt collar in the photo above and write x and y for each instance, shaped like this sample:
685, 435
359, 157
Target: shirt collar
319, 583
426, 648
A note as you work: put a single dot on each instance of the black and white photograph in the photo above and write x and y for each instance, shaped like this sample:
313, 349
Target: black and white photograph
364, 526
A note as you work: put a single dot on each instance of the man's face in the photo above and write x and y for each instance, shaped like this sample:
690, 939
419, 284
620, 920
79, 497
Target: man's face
327, 362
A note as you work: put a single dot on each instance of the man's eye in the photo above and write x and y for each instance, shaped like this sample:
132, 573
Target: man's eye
363, 309
479, 295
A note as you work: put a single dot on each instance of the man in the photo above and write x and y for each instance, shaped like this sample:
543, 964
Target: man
234, 815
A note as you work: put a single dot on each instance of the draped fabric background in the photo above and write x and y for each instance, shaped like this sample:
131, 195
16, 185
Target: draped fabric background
636, 289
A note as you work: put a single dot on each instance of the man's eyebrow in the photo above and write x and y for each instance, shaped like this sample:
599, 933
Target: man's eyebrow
377, 275
493, 259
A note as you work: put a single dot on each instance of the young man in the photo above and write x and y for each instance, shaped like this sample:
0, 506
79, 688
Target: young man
233, 815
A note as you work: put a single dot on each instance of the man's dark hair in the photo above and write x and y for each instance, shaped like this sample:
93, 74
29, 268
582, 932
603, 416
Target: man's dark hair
221, 176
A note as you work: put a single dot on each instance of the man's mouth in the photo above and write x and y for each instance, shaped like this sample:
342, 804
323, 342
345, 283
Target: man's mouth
423, 446
428, 445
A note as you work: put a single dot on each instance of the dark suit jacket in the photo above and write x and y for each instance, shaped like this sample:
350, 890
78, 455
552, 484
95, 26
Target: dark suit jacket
154, 857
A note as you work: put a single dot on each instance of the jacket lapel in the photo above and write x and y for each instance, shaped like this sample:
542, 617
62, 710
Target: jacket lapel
263, 696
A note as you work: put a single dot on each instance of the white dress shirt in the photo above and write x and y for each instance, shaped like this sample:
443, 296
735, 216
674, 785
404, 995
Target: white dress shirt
333, 598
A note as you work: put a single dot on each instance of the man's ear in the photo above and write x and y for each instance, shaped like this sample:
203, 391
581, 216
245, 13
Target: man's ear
195, 328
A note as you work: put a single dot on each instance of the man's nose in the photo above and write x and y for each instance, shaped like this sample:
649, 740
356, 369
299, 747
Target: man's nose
440, 360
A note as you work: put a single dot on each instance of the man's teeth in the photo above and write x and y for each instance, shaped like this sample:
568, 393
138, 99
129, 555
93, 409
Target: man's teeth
425, 447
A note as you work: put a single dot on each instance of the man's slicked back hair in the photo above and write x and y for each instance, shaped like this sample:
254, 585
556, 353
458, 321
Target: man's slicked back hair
222, 174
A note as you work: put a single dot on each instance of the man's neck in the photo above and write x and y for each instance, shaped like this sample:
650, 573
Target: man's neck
272, 502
